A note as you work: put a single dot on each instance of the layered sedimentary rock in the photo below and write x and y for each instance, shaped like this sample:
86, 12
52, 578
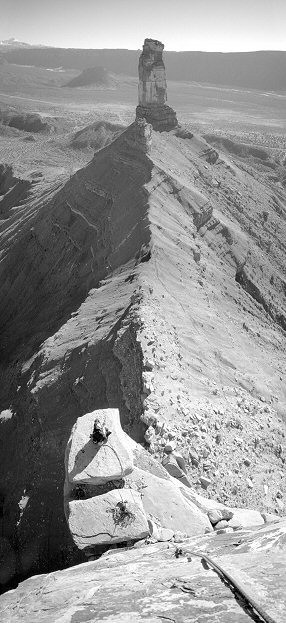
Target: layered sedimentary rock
152, 89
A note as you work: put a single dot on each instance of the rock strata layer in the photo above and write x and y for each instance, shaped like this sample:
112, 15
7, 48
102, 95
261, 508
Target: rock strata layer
153, 88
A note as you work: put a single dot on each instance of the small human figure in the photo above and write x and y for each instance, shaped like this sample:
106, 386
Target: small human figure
100, 433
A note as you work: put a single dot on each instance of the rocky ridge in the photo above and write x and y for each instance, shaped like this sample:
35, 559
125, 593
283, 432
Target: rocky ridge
154, 284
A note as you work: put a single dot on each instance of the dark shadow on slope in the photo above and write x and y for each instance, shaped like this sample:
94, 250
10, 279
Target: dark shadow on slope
238, 149
95, 224
38, 434
253, 290
14, 197
92, 76
47, 274
27, 122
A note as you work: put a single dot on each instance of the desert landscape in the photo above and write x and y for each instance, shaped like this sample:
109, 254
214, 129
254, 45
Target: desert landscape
142, 271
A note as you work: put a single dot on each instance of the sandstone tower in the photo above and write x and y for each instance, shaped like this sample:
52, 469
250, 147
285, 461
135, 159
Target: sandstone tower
153, 88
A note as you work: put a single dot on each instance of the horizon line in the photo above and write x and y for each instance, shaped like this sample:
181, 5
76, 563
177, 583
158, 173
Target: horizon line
47, 46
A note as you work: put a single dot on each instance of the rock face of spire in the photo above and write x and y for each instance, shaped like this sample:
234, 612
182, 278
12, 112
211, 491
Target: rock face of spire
153, 88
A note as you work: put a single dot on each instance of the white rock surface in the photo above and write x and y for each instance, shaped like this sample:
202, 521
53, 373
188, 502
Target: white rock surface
93, 464
166, 534
163, 499
100, 520
245, 518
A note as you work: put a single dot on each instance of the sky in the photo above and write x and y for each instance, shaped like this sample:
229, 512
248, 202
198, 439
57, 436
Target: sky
209, 25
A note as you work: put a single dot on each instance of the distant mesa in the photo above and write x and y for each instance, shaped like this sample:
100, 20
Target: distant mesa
98, 76
152, 89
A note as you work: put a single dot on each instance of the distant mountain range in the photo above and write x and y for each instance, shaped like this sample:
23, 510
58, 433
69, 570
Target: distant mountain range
14, 44
264, 70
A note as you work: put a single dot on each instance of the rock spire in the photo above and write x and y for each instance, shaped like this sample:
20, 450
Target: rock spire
153, 88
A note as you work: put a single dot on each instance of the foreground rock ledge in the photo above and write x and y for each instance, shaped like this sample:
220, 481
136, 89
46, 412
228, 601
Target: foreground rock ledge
150, 584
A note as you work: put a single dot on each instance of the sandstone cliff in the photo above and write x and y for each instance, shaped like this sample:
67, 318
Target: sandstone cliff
152, 89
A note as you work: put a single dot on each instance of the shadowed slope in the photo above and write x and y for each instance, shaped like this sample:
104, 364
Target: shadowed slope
53, 253
64, 246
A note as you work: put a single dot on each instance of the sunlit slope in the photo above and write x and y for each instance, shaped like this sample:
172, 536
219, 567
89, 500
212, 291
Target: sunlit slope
218, 266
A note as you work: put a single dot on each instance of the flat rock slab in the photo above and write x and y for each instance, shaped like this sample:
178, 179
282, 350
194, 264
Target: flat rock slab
164, 501
145, 461
113, 517
91, 463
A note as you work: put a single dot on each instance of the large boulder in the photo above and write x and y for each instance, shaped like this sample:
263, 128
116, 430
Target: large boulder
171, 465
95, 464
245, 518
110, 518
163, 501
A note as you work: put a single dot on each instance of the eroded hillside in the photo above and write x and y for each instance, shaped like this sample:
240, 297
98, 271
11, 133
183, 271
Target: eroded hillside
155, 283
